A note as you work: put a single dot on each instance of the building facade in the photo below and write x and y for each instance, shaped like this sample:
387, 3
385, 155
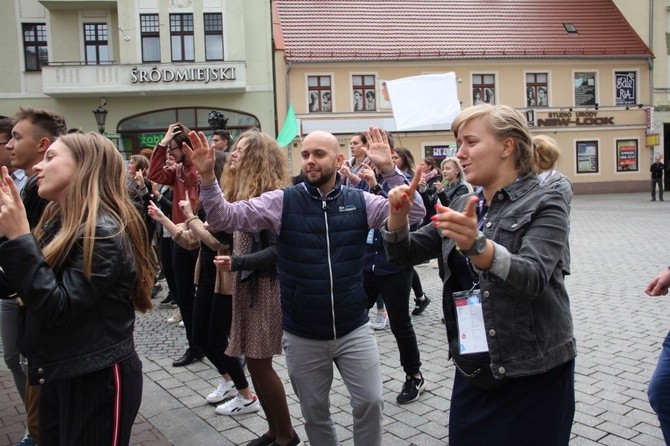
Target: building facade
149, 63
577, 69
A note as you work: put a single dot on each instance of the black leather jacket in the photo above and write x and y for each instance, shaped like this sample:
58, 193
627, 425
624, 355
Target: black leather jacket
73, 326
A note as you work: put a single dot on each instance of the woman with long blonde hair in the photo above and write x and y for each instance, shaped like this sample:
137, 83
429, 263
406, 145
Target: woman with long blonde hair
257, 165
81, 276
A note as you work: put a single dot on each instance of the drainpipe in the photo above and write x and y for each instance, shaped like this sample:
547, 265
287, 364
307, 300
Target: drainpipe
287, 88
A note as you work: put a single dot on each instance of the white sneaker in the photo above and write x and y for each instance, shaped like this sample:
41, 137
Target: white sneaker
176, 317
225, 389
380, 321
181, 324
239, 405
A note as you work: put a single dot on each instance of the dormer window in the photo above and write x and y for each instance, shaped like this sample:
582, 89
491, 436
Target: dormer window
570, 28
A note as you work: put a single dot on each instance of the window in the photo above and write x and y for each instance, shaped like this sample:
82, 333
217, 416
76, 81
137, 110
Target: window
626, 87
151, 44
364, 93
626, 155
587, 156
585, 89
96, 46
318, 89
35, 46
213, 36
181, 35
483, 89
537, 91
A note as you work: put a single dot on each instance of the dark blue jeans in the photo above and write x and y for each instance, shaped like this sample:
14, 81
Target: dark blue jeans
659, 389
183, 265
395, 289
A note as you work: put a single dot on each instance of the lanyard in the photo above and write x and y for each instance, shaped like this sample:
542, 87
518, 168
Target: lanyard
482, 218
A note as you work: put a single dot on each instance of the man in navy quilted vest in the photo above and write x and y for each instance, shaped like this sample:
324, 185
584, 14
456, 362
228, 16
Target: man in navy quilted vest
321, 229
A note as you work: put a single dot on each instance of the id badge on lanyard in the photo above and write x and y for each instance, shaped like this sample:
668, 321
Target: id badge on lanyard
470, 318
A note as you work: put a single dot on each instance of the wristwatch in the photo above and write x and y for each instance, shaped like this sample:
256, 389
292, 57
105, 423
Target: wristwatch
478, 247
376, 189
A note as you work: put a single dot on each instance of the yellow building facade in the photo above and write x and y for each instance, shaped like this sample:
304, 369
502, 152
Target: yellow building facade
597, 108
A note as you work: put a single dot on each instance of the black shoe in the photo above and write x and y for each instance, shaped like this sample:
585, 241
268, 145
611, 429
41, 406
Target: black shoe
411, 390
263, 440
187, 359
420, 305
157, 289
167, 301
661, 199
295, 441
653, 199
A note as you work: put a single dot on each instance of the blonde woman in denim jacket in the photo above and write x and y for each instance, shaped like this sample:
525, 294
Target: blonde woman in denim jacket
502, 252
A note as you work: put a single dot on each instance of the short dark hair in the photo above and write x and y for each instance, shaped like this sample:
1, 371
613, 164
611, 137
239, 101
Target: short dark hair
6, 126
224, 134
46, 122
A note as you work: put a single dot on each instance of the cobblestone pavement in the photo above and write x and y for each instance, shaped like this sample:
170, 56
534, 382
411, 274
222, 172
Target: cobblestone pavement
619, 242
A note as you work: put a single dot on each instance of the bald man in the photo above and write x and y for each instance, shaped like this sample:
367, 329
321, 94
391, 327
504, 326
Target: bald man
322, 228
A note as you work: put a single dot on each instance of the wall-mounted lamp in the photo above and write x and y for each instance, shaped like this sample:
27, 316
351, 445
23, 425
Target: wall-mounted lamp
100, 114
640, 105
596, 106
627, 107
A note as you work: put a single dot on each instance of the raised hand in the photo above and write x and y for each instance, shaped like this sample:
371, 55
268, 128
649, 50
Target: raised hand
368, 175
173, 129
13, 219
185, 206
379, 150
461, 227
139, 178
155, 212
202, 156
400, 200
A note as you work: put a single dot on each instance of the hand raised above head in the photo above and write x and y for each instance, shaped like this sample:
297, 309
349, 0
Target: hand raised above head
172, 130
201, 155
379, 150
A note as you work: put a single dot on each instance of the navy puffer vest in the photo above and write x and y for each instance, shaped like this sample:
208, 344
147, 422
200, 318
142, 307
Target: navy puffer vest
321, 249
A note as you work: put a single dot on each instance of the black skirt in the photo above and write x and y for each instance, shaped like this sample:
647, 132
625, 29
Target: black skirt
531, 410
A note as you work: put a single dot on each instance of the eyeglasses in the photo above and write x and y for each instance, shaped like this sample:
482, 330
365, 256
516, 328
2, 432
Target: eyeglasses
174, 148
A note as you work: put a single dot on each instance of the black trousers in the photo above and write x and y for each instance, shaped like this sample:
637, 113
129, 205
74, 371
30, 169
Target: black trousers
96, 408
212, 317
659, 182
183, 265
395, 289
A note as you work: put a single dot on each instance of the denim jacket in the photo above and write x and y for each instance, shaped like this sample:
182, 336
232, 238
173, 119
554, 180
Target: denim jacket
525, 305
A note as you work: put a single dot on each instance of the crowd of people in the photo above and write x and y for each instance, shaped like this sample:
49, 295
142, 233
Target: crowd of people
257, 267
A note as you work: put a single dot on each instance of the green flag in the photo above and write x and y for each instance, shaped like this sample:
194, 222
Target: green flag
289, 130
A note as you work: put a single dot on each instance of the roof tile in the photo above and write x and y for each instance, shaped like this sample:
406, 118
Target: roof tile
342, 30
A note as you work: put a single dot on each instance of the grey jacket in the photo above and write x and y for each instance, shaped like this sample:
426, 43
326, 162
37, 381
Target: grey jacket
525, 305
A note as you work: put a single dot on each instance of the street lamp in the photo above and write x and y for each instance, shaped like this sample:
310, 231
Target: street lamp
100, 114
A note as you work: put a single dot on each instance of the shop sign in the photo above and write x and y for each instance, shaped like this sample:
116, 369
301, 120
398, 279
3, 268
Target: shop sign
653, 139
164, 75
580, 118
